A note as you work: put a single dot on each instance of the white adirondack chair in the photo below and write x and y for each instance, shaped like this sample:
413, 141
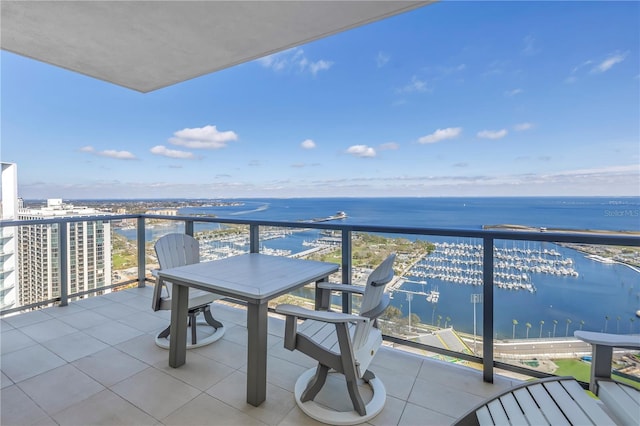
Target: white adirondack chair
175, 250
342, 342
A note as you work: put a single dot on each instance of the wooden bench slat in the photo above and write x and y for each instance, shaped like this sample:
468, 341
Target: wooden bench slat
588, 404
530, 408
513, 410
567, 404
497, 412
619, 399
484, 417
547, 405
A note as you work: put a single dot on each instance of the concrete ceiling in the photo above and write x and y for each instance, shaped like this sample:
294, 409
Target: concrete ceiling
147, 45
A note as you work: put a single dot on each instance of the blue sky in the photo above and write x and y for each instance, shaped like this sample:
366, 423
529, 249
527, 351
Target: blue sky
454, 99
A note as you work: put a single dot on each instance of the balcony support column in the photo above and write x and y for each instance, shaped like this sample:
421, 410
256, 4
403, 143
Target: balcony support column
487, 310
188, 227
141, 251
254, 239
62, 263
346, 270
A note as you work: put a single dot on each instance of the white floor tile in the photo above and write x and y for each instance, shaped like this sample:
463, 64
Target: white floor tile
103, 408
47, 330
155, 392
13, 340
75, 346
206, 410
28, 362
60, 388
19, 409
110, 366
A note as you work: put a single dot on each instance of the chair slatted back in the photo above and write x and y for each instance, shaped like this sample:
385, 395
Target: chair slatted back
372, 297
174, 250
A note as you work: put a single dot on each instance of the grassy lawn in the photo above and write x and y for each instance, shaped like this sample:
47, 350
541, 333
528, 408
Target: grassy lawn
573, 367
582, 371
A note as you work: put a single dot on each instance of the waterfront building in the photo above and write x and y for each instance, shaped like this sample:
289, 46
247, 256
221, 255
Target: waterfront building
8, 242
88, 259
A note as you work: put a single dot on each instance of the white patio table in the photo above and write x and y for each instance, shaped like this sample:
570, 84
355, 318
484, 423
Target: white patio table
254, 278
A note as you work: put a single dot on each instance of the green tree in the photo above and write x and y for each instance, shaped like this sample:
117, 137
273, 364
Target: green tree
555, 323
581, 324
541, 324
566, 331
447, 320
515, 322
392, 313
439, 319
528, 325
618, 324
606, 322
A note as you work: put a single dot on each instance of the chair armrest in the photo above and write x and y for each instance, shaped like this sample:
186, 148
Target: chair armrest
154, 272
325, 316
607, 339
358, 289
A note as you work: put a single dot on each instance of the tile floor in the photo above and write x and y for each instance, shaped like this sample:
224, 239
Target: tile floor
95, 362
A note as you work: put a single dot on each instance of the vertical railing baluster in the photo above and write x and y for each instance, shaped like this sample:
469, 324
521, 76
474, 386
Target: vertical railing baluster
62, 263
346, 269
254, 238
487, 310
188, 227
140, 228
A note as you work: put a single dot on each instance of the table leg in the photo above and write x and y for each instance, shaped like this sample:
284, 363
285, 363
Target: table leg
178, 330
257, 353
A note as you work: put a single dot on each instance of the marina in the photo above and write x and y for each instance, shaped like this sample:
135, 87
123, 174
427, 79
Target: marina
567, 284
461, 263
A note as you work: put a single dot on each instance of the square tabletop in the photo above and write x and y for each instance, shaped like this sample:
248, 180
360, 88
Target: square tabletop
253, 277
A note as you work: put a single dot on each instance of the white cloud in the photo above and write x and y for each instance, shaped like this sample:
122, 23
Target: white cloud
294, 59
609, 62
308, 144
415, 85
441, 134
492, 134
363, 151
382, 59
522, 126
207, 137
109, 153
171, 153
320, 65
513, 92
118, 155
389, 146
529, 46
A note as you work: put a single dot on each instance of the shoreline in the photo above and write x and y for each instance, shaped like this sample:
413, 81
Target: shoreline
525, 228
602, 254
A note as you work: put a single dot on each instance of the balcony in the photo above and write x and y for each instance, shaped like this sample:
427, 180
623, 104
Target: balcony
94, 361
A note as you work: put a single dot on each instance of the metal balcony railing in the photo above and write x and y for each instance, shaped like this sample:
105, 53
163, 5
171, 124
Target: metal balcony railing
487, 237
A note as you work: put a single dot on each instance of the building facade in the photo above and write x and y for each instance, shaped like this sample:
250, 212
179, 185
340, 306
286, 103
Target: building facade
88, 259
8, 236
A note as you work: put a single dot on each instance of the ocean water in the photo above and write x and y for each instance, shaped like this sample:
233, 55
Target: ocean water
599, 291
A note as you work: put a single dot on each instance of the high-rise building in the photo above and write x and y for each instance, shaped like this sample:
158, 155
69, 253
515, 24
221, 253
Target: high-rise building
8, 234
88, 252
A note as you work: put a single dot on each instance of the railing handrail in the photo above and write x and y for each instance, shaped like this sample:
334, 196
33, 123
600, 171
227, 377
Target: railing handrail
487, 238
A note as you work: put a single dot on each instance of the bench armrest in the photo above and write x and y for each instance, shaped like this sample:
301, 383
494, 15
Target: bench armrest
325, 316
346, 288
607, 339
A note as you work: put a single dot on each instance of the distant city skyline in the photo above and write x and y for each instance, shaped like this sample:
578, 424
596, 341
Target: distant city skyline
453, 99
